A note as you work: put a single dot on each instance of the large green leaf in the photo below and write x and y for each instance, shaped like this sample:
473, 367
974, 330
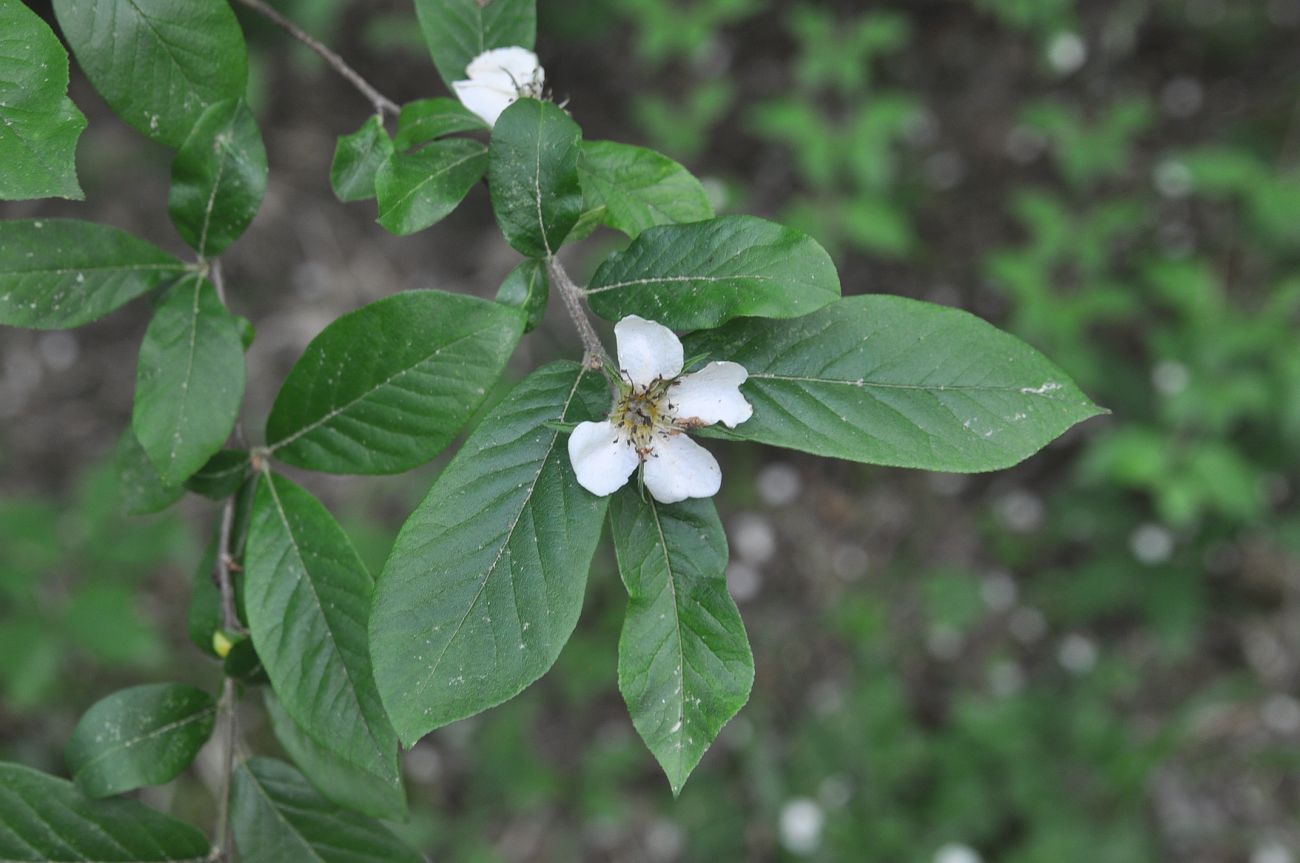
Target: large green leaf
61, 273
701, 275
684, 664
307, 595
39, 124
43, 818
145, 735
357, 159
533, 176
633, 188
158, 63
277, 817
140, 489
457, 31
334, 777
419, 189
527, 288
428, 119
888, 380
485, 582
218, 178
385, 388
190, 381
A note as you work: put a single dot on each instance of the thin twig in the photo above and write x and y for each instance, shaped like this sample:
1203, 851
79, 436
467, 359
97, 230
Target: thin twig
221, 847
381, 102
221, 572
594, 352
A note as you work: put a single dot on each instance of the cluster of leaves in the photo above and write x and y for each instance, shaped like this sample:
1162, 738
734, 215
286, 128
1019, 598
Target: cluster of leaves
485, 582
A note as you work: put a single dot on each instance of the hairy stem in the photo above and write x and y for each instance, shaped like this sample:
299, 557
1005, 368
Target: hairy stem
381, 102
221, 573
594, 355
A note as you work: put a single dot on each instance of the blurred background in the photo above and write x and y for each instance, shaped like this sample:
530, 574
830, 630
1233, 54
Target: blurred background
1092, 657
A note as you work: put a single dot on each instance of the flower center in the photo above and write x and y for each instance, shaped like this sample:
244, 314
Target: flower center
641, 413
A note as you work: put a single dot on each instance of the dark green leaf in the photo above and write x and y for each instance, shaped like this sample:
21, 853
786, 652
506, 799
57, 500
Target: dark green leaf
457, 31
190, 381
39, 124
357, 159
203, 616
337, 779
385, 388
422, 188
277, 817
145, 735
533, 176
43, 818
140, 488
222, 475
635, 188
308, 598
61, 273
243, 664
684, 664
429, 119
218, 178
527, 288
893, 381
701, 275
485, 582
158, 63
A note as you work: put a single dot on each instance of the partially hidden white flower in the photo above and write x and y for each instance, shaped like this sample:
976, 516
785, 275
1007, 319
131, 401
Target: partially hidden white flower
497, 78
655, 407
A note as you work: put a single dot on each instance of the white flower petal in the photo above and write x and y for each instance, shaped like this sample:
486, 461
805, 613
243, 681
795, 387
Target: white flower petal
601, 458
681, 468
487, 100
647, 350
519, 65
712, 395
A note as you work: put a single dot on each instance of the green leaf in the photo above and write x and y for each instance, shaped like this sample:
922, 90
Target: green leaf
337, 779
44, 818
203, 616
639, 188
457, 31
39, 124
218, 178
701, 275
533, 176
357, 159
140, 488
308, 598
892, 381
62, 273
145, 735
429, 119
422, 188
277, 817
484, 584
385, 388
222, 475
527, 288
158, 63
684, 664
190, 381
243, 663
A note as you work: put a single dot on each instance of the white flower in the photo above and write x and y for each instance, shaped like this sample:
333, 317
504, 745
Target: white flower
497, 78
656, 405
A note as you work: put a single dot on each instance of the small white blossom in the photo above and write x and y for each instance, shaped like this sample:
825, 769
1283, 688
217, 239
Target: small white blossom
497, 78
655, 406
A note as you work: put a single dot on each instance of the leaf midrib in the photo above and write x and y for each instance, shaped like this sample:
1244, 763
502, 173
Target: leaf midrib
509, 534
127, 744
